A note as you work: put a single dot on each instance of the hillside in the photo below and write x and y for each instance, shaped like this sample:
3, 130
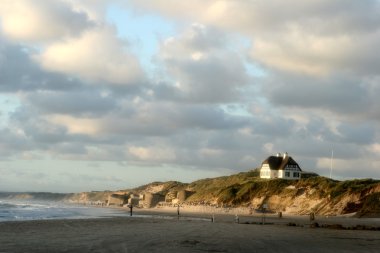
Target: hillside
316, 194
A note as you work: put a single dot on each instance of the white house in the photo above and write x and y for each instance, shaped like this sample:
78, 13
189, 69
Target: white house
280, 166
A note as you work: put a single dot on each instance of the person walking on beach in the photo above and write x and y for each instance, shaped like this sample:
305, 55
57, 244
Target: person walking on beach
130, 209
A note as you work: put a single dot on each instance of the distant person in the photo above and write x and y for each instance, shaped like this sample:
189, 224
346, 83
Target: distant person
130, 209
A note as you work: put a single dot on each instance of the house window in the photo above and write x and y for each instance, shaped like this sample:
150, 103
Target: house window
287, 174
296, 174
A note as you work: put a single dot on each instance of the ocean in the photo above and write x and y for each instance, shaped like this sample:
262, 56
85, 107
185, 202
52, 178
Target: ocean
18, 210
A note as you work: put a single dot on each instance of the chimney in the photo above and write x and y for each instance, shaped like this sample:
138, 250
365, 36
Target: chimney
285, 154
278, 154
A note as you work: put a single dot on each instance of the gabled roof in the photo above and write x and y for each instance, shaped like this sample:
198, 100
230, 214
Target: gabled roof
279, 162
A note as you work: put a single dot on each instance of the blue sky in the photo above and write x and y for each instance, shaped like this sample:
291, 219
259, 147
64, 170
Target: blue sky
114, 94
144, 31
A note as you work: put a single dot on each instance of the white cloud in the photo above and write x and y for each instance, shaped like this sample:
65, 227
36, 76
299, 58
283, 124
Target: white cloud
152, 154
98, 55
296, 50
41, 20
211, 152
75, 125
314, 37
84, 96
200, 61
346, 168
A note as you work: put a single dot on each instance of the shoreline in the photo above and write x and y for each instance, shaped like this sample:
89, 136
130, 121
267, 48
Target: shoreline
229, 215
332, 222
124, 234
300, 220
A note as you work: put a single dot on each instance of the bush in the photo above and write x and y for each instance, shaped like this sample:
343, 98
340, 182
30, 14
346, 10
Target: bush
352, 186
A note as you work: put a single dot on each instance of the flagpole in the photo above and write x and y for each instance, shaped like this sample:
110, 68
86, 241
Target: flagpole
331, 162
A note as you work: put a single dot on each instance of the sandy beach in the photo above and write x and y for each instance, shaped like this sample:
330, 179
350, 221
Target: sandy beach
159, 231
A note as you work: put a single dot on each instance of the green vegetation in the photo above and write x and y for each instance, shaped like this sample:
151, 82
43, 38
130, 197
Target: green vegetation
166, 187
371, 205
239, 194
322, 186
352, 186
208, 189
236, 189
243, 189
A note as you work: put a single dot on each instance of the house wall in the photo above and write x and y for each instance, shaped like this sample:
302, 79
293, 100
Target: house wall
274, 174
265, 172
291, 173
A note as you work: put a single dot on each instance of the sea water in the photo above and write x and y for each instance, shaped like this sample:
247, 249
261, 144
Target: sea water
14, 210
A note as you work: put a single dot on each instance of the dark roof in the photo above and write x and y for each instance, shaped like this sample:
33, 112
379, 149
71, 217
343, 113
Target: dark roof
279, 162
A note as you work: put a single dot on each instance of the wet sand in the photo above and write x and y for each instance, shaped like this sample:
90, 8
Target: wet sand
163, 232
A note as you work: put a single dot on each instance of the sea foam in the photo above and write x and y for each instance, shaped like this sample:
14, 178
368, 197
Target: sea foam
11, 210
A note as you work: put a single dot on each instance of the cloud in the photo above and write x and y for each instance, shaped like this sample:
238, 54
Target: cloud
96, 56
357, 133
345, 169
315, 38
75, 41
152, 154
297, 50
12, 142
149, 119
18, 72
41, 20
80, 102
199, 62
347, 97
338, 94
249, 17
234, 82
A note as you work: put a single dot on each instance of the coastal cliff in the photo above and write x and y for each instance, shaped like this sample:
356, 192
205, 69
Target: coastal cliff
319, 195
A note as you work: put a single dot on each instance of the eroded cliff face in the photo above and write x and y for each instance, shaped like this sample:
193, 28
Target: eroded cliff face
361, 198
320, 195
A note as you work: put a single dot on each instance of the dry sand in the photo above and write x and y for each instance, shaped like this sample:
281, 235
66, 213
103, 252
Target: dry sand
168, 234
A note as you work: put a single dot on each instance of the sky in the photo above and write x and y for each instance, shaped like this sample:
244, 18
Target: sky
112, 94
